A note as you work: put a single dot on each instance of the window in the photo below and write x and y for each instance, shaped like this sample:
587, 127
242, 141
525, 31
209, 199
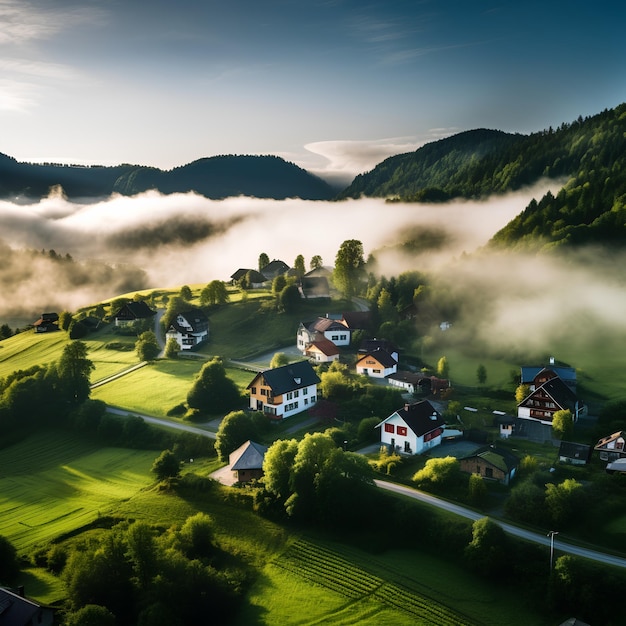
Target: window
253, 390
376, 371
305, 391
335, 338
296, 393
306, 401
389, 428
289, 395
312, 399
402, 430
263, 392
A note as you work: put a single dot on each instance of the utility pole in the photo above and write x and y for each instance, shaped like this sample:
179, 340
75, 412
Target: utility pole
551, 535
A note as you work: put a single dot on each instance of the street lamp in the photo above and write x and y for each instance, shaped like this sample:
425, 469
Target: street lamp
551, 535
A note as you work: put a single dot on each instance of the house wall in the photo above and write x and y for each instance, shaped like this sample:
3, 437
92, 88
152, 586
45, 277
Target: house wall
410, 387
476, 465
338, 337
319, 357
405, 441
281, 406
372, 368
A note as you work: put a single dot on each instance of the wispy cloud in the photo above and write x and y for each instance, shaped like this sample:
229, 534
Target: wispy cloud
16, 95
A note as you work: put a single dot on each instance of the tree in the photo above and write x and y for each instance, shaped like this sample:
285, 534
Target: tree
90, 615
316, 262
278, 360
172, 348
349, 267
386, 310
9, 563
526, 503
235, 429
278, 284
166, 465
5, 332
147, 346
212, 391
487, 552
564, 502
481, 374
438, 471
521, 392
299, 266
214, 293
477, 490
73, 370
185, 293
277, 465
264, 260
196, 536
443, 368
289, 299
563, 424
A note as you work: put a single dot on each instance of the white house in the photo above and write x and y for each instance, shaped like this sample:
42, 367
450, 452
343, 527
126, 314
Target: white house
322, 351
412, 429
325, 327
284, 391
189, 329
377, 364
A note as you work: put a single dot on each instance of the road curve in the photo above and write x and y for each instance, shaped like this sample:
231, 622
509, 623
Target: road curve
540, 538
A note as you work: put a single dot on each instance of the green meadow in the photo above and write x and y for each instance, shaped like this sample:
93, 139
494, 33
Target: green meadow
53, 483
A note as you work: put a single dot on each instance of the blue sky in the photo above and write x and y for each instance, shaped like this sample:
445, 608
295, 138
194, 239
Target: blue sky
333, 85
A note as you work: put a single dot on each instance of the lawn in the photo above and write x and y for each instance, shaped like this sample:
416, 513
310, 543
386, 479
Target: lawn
30, 348
54, 482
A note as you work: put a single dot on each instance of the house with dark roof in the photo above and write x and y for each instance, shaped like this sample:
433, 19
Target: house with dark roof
189, 329
133, 312
17, 610
376, 364
612, 447
534, 377
412, 429
322, 328
257, 280
544, 401
574, 453
246, 462
284, 391
492, 463
48, 322
369, 345
274, 268
314, 287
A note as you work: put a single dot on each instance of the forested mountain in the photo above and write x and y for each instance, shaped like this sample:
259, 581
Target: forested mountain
589, 153
215, 177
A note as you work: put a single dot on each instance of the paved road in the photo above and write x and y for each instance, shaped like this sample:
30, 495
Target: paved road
559, 546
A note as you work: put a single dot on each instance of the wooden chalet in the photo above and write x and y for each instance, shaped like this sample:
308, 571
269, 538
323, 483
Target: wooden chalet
534, 377
48, 322
612, 447
492, 463
133, 312
551, 396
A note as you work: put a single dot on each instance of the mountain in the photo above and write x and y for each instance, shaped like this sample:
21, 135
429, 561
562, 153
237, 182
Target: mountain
589, 154
215, 177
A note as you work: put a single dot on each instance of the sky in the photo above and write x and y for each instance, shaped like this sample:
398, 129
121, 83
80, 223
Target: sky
334, 86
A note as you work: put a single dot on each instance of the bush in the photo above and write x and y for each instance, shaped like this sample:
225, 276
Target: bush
179, 409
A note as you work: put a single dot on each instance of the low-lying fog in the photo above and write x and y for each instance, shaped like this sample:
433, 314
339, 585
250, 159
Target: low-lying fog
187, 239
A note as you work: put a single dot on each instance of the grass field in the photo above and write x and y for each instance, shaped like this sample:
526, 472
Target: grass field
53, 483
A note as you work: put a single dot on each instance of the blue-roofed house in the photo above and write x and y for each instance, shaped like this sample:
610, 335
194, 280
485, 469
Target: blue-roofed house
535, 376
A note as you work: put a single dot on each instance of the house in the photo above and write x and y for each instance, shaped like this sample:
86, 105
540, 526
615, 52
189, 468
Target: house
284, 391
618, 466
551, 396
506, 424
324, 271
48, 322
312, 287
611, 448
17, 610
322, 351
376, 364
189, 329
246, 462
574, 453
257, 280
534, 377
274, 268
133, 312
369, 345
412, 429
411, 382
322, 328
491, 463
356, 320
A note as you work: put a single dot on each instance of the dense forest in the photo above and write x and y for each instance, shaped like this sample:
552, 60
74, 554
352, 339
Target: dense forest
216, 177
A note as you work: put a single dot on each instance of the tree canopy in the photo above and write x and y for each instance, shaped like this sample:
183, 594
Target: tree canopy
212, 390
349, 267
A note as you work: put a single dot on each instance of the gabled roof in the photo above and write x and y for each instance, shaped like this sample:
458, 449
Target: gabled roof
562, 395
247, 456
498, 457
17, 610
564, 373
255, 277
324, 270
314, 286
420, 417
325, 346
135, 311
605, 441
198, 321
288, 377
382, 356
274, 268
373, 344
324, 324
356, 319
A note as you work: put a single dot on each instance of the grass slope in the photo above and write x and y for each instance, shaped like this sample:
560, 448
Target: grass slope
53, 483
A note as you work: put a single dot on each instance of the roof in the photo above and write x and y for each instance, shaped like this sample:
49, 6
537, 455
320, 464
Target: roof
247, 456
198, 321
565, 373
274, 268
620, 434
356, 319
372, 344
382, 356
325, 346
558, 391
17, 610
324, 270
255, 277
315, 286
498, 457
420, 417
135, 310
573, 450
323, 324
288, 377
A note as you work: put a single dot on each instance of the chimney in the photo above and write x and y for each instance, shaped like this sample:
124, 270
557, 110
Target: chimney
20, 591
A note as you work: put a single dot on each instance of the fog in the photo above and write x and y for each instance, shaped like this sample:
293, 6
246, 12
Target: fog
156, 241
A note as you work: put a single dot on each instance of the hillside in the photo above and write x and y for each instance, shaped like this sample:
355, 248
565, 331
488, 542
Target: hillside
215, 177
589, 153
